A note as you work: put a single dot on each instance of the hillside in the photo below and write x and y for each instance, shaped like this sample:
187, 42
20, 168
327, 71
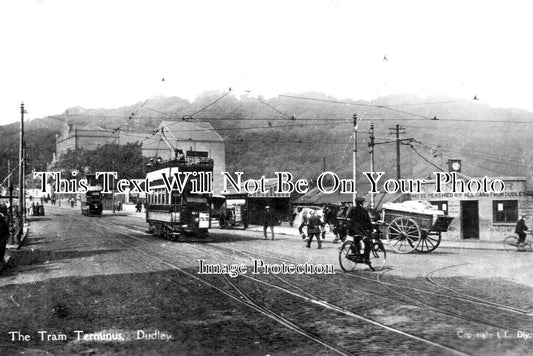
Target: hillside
301, 135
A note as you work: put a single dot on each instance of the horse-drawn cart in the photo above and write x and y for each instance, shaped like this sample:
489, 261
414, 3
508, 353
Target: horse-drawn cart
413, 225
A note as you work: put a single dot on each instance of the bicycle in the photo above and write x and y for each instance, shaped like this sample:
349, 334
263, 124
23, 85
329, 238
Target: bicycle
510, 243
352, 252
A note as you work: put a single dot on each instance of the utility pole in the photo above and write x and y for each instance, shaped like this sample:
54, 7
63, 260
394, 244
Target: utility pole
371, 145
22, 205
354, 158
10, 214
397, 131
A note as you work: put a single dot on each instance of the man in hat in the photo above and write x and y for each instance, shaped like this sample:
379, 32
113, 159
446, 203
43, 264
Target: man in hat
521, 229
360, 224
268, 221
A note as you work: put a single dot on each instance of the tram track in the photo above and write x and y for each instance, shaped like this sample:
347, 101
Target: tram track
457, 295
393, 288
313, 299
243, 298
429, 278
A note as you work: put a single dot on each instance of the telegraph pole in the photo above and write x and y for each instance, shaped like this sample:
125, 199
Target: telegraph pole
22, 205
10, 213
354, 158
397, 131
371, 145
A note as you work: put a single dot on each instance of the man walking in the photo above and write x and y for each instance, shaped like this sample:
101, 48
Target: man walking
268, 221
315, 227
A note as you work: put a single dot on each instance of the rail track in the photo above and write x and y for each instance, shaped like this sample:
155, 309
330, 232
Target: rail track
238, 294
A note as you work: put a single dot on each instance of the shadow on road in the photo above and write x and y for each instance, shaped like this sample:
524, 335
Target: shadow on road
36, 257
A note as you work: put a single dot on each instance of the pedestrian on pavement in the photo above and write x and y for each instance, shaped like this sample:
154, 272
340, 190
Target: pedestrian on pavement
521, 229
268, 221
138, 206
4, 235
315, 228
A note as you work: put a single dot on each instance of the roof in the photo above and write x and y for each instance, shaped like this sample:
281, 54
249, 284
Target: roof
270, 187
316, 197
193, 131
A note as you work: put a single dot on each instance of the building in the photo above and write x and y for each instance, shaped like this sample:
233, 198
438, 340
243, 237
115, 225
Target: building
481, 215
198, 138
88, 137
255, 202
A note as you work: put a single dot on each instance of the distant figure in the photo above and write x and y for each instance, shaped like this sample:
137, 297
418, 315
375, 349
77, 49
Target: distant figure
72, 202
4, 234
138, 206
180, 156
268, 221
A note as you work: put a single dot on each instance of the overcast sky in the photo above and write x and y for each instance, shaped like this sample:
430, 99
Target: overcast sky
56, 54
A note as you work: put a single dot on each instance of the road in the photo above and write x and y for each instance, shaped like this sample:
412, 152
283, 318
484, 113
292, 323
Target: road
102, 286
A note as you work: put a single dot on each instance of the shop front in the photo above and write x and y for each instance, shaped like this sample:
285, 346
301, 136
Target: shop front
486, 216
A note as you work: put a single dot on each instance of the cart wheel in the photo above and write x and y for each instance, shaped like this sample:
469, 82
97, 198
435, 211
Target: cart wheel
429, 243
378, 256
510, 243
345, 251
403, 235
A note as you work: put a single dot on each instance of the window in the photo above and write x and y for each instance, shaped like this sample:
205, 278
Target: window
441, 205
505, 211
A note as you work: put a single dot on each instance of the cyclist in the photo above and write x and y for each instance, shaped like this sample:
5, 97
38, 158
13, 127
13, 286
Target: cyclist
521, 229
360, 224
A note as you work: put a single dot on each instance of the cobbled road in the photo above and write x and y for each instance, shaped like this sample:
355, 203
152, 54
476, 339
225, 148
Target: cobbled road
103, 286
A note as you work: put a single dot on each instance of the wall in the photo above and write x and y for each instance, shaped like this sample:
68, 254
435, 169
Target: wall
515, 190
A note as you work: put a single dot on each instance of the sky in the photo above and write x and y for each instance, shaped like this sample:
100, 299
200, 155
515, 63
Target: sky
57, 54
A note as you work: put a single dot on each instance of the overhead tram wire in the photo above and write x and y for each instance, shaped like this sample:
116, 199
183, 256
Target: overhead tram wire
205, 107
441, 169
485, 156
356, 104
289, 117
130, 117
419, 117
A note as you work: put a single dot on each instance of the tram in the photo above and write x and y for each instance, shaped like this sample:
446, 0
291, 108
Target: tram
91, 201
178, 200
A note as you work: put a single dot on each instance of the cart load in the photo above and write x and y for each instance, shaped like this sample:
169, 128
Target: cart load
414, 225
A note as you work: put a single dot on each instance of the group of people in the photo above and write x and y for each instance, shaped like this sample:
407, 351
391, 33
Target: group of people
349, 220
36, 209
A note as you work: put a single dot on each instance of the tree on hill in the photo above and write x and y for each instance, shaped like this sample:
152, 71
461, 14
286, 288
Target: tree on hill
126, 160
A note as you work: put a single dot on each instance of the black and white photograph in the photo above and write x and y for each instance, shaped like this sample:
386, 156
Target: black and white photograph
298, 177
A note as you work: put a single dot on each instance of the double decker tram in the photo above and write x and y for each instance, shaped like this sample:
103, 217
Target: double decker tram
178, 201
91, 201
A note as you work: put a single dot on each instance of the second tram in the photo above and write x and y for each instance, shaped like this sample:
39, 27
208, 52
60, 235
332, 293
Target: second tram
91, 201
